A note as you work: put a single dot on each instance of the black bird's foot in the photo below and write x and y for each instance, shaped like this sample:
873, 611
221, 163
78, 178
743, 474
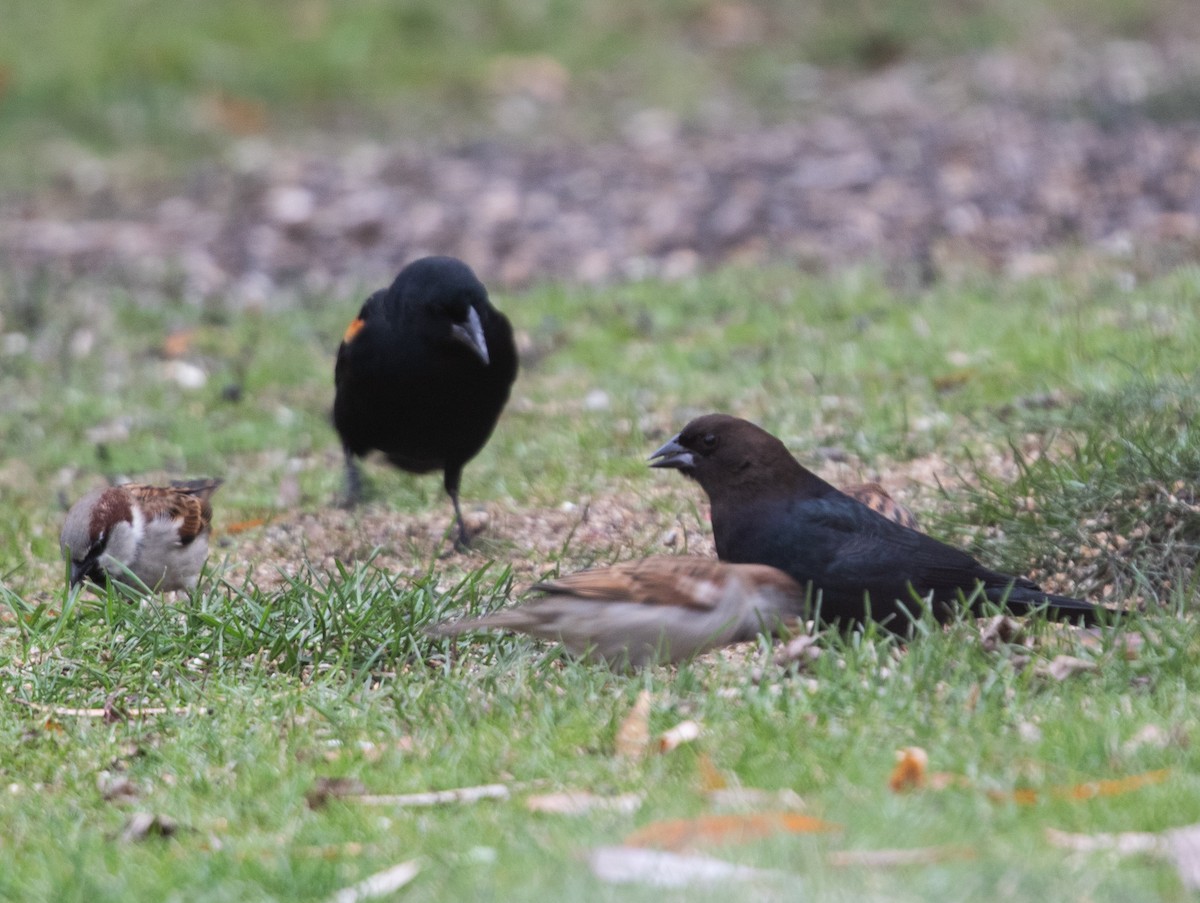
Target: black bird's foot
354, 489
462, 542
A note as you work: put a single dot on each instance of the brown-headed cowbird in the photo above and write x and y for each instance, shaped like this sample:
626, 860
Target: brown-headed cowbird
422, 374
768, 509
156, 534
656, 610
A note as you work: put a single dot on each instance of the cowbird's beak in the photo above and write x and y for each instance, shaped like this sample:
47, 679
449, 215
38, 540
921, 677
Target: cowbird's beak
78, 574
470, 334
673, 455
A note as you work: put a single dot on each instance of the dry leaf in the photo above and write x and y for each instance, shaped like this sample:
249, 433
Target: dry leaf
684, 732
178, 343
241, 526
633, 736
710, 776
940, 780
1064, 666
108, 712
1000, 630
625, 865
973, 697
116, 788
877, 859
1128, 645
1150, 735
800, 650
1131, 646
912, 763
381, 884
686, 833
1086, 791
1113, 786
113, 712
581, 802
755, 798
233, 114
331, 851
1180, 845
142, 825
949, 382
325, 789
437, 797
1127, 843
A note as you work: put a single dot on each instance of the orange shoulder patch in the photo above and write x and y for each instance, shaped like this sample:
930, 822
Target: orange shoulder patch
353, 329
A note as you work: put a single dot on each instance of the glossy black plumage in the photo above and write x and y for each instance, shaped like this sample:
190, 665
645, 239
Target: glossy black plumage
423, 373
768, 509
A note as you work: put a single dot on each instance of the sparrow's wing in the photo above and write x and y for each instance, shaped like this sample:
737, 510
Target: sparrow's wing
665, 581
186, 502
656, 610
877, 499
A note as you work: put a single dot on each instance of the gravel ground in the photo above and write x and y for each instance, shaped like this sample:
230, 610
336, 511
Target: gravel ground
994, 160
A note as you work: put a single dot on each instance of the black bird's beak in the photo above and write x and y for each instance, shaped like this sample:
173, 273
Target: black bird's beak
470, 334
78, 575
673, 455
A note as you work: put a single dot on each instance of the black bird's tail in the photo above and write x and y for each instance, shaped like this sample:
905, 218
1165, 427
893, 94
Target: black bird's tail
1021, 600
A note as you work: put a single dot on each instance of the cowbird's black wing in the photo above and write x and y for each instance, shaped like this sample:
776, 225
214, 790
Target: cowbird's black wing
892, 563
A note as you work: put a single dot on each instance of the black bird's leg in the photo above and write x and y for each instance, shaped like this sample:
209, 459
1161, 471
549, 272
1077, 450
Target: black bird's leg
353, 481
452, 477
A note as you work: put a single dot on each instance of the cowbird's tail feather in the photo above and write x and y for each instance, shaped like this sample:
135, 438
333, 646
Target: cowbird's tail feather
1021, 600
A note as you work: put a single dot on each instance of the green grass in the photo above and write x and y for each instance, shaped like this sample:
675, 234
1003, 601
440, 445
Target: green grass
328, 674
168, 82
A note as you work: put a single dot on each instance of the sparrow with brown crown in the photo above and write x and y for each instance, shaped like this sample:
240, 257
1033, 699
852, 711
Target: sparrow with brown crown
136, 534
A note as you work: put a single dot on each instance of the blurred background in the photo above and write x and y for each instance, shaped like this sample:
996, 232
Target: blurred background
234, 154
739, 202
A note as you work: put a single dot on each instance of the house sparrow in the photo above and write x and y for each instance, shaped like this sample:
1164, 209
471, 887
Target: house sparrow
768, 509
159, 534
656, 610
877, 499
422, 375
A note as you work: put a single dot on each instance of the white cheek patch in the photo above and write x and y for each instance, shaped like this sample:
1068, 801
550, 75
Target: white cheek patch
139, 524
707, 593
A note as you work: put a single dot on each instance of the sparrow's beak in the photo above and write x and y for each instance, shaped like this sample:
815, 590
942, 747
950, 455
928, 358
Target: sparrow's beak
87, 570
471, 335
78, 574
673, 455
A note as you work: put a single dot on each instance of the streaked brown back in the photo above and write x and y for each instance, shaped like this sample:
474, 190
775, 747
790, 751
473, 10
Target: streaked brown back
683, 581
185, 501
877, 499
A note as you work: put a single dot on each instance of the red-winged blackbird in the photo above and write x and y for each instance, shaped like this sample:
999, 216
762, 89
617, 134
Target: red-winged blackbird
768, 509
422, 374
662, 609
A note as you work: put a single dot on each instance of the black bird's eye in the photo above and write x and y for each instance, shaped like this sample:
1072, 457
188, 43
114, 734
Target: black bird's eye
709, 442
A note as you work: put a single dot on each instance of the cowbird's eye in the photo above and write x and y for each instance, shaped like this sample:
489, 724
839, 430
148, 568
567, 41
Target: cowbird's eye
709, 442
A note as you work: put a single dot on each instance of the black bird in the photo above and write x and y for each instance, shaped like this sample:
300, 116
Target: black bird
768, 509
422, 374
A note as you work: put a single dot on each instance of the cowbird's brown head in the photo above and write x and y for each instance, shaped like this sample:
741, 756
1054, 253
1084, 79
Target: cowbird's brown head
724, 454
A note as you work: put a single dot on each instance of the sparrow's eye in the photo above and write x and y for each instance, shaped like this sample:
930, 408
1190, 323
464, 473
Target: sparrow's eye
709, 442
